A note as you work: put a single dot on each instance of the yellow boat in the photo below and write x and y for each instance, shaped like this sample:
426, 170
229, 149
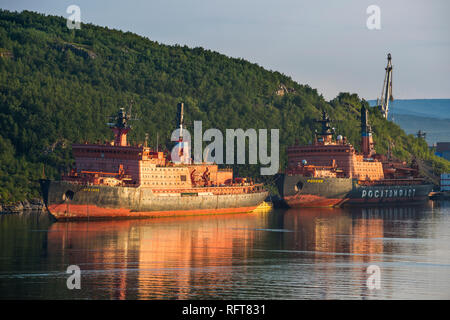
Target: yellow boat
264, 206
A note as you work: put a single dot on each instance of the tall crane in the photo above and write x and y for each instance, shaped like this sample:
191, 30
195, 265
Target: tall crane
386, 92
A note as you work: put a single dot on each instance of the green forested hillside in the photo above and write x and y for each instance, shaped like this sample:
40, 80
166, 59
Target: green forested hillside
57, 86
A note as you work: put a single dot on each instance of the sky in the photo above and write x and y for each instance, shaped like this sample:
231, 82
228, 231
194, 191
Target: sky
325, 44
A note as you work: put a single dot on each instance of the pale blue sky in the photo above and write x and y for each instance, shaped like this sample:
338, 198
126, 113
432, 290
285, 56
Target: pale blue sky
325, 44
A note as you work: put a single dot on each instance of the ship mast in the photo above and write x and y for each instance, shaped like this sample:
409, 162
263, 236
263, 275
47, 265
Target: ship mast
120, 128
327, 132
421, 134
386, 91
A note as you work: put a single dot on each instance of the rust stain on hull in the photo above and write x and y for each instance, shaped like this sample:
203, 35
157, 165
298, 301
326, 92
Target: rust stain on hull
309, 200
82, 212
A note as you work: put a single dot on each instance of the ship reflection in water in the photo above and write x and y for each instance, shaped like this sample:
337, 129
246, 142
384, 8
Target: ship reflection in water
294, 254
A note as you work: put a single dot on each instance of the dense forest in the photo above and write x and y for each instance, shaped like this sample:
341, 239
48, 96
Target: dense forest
58, 86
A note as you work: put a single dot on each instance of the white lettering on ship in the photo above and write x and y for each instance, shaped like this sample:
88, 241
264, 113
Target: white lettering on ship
388, 193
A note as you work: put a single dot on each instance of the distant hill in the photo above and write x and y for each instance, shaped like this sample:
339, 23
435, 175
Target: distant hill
436, 129
431, 108
58, 86
429, 115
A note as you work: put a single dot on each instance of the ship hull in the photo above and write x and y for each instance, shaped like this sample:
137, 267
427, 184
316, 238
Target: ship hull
68, 201
300, 191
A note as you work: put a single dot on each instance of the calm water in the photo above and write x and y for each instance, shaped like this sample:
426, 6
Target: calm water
294, 254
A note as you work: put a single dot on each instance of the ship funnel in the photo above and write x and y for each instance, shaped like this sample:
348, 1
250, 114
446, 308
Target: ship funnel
180, 116
366, 134
183, 154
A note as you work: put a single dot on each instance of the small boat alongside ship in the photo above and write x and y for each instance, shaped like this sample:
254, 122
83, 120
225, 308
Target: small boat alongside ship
118, 180
332, 173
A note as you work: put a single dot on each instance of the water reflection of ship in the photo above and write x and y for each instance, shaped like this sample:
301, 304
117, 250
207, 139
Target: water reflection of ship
206, 256
352, 238
324, 226
399, 212
164, 253
336, 242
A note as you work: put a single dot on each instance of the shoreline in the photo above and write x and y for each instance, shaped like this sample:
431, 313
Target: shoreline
35, 204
